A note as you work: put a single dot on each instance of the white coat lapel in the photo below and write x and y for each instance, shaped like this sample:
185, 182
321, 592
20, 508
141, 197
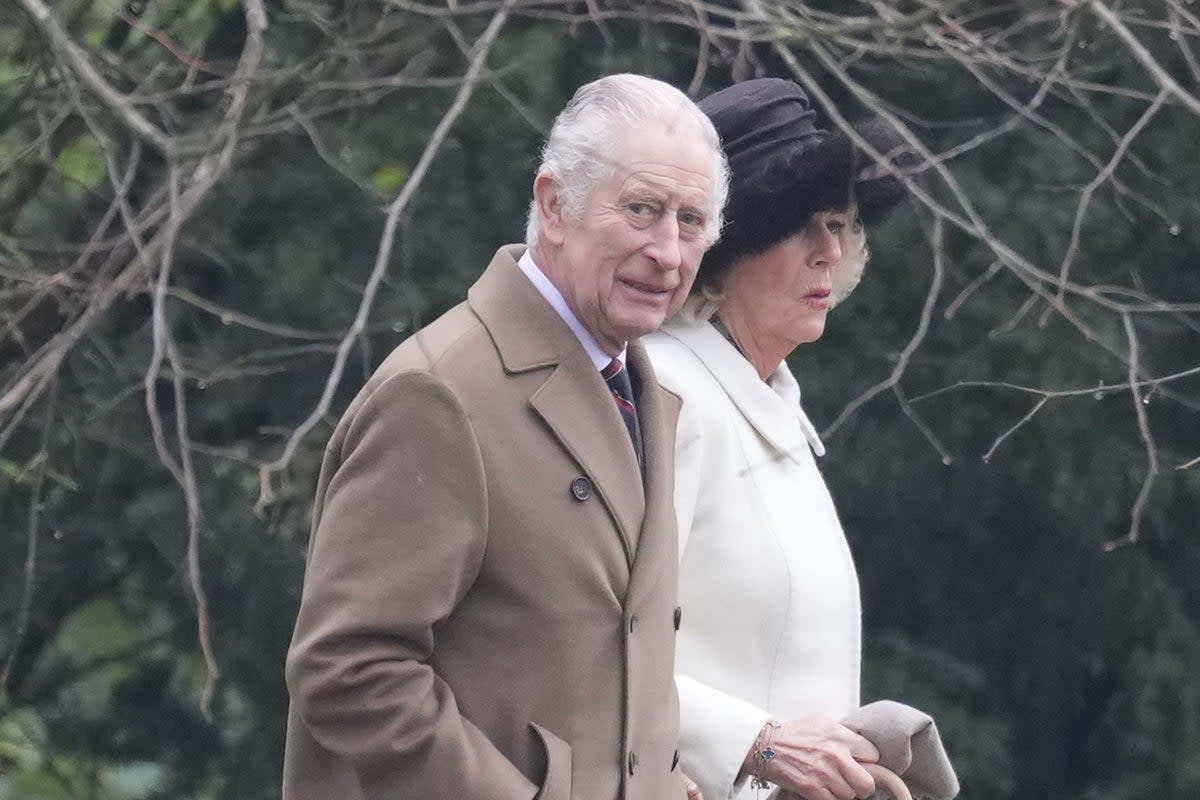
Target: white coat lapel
773, 410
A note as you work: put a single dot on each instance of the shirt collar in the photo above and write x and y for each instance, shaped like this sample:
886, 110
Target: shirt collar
554, 297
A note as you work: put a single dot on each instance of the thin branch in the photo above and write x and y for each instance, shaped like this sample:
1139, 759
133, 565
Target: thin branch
987, 457
1085, 198
228, 316
922, 426
935, 287
29, 580
1139, 408
1094, 391
971, 288
118, 103
1139, 52
395, 209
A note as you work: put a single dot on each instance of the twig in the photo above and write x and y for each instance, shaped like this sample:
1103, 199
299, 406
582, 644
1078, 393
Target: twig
921, 425
395, 209
971, 288
118, 103
180, 468
987, 457
29, 581
1085, 198
163, 38
228, 316
1139, 52
1139, 408
1095, 391
935, 287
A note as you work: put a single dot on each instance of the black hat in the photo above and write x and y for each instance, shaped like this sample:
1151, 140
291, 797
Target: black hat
783, 169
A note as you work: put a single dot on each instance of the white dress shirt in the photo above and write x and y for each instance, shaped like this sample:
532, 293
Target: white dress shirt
554, 297
771, 621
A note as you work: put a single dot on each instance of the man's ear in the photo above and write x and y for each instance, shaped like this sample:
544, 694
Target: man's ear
547, 196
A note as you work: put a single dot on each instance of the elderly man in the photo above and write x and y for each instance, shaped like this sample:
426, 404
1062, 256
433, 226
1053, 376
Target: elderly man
489, 607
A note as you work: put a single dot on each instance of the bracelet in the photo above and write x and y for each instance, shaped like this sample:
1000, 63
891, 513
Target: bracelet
763, 752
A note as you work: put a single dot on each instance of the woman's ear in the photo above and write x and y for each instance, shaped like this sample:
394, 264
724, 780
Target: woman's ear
547, 197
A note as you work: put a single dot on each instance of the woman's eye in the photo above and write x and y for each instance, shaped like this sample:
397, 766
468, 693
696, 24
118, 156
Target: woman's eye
835, 226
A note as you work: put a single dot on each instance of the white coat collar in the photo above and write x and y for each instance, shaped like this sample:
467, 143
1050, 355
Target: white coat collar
772, 406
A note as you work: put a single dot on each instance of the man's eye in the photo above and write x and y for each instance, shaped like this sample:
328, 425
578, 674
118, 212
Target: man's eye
691, 219
835, 226
640, 209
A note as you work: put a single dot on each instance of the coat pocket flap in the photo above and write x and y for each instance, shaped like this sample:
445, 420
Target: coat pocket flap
556, 784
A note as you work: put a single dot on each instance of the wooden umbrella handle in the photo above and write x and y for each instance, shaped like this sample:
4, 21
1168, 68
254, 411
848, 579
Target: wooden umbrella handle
888, 781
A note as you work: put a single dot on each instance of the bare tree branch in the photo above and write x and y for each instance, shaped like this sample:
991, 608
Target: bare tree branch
40, 465
936, 242
1139, 51
987, 457
74, 55
1139, 408
394, 210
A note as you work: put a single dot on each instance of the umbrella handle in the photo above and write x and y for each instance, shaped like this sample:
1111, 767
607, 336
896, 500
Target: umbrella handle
888, 781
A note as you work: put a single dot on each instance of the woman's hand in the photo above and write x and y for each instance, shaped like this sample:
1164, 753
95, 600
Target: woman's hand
816, 760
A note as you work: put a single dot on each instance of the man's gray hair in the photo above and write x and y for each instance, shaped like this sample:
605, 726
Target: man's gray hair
580, 148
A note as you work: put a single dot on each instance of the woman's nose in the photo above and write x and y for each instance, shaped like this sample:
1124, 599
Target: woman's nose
828, 250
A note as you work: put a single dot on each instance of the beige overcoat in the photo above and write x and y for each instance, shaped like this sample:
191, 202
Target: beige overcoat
489, 604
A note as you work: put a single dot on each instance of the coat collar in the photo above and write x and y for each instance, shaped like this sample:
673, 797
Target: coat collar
573, 401
771, 407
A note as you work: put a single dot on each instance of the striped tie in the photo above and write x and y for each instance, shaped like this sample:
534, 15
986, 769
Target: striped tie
617, 378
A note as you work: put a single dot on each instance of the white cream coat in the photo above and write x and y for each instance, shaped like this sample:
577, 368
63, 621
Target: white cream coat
771, 621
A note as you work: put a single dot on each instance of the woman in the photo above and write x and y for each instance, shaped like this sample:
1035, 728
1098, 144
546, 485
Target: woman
769, 647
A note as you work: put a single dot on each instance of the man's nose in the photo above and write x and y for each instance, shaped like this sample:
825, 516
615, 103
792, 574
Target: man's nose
665, 249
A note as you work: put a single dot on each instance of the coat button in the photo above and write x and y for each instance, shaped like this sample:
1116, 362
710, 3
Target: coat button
674, 761
581, 489
633, 761
632, 623
678, 616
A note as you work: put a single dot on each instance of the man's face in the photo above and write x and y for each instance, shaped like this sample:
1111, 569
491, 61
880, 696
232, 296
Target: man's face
628, 262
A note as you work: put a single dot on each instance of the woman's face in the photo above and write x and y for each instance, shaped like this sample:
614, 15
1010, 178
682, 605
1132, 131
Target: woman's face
788, 290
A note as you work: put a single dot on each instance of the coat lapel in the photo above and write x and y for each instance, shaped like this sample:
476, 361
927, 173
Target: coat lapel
773, 409
658, 413
573, 401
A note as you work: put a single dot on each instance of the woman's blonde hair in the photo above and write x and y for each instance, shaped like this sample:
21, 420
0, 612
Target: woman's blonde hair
706, 296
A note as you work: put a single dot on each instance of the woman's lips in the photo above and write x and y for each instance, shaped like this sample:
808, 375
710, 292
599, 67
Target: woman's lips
818, 298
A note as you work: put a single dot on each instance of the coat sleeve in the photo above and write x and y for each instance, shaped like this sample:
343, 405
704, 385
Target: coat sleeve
399, 540
716, 731
716, 728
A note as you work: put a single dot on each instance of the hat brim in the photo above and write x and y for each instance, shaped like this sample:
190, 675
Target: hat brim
827, 174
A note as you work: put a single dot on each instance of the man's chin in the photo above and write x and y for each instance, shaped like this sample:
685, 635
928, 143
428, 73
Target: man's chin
642, 328
643, 318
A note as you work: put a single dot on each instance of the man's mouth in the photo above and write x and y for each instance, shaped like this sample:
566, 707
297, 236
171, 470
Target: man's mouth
647, 288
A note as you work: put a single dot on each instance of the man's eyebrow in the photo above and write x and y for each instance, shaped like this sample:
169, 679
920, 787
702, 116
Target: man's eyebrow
639, 187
